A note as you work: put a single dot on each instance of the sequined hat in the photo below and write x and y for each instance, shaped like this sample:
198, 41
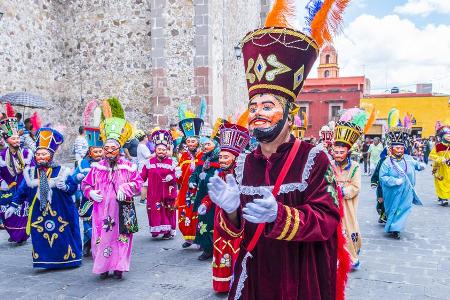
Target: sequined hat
48, 138
191, 127
353, 123
162, 137
399, 134
9, 125
233, 138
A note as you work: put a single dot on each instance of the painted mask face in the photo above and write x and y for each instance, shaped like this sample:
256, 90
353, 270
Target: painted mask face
208, 146
340, 153
42, 157
226, 160
446, 137
267, 116
111, 150
398, 151
14, 141
96, 153
192, 143
161, 151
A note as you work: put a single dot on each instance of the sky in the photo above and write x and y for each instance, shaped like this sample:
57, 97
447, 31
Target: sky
397, 43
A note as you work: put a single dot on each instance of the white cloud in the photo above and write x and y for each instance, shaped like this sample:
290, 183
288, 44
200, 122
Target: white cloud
423, 7
394, 52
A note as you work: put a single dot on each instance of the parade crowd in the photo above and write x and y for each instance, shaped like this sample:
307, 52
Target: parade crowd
274, 213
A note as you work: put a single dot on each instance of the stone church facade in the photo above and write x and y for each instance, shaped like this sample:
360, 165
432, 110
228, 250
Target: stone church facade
151, 54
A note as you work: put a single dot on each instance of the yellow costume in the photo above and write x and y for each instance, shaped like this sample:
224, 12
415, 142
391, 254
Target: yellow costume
441, 170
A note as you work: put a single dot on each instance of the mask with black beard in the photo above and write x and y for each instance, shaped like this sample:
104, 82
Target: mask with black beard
267, 135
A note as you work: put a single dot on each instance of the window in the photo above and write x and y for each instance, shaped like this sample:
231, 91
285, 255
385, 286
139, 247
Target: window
304, 108
327, 58
334, 112
326, 74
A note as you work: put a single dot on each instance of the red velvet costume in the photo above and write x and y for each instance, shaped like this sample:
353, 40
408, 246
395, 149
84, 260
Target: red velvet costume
296, 257
225, 250
187, 218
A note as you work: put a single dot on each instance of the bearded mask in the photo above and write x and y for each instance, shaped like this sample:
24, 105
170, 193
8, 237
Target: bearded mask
208, 146
14, 141
96, 153
340, 154
43, 157
267, 116
226, 160
161, 151
397, 151
192, 143
111, 150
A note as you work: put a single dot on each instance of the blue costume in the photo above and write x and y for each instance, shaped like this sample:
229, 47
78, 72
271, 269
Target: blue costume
53, 219
398, 199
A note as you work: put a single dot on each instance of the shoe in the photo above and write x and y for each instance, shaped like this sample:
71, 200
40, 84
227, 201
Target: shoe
444, 202
205, 256
155, 235
142, 201
186, 245
104, 275
395, 235
118, 274
355, 266
2, 227
10, 240
167, 236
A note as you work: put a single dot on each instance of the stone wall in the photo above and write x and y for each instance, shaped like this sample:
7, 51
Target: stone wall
151, 54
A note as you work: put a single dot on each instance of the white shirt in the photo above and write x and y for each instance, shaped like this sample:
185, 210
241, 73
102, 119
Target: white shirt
143, 155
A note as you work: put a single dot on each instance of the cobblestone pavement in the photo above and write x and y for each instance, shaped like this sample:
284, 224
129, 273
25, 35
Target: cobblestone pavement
416, 267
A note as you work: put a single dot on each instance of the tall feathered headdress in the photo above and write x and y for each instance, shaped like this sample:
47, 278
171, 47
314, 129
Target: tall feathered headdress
351, 125
398, 133
89, 112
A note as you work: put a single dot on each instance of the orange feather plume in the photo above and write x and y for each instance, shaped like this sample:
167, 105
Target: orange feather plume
305, 119
281, 11
370, 120
327, 21
243, 119
106, 109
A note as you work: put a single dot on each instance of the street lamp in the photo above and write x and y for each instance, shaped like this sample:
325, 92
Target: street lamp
238, 51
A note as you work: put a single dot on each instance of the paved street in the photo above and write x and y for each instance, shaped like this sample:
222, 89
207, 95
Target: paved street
416, 267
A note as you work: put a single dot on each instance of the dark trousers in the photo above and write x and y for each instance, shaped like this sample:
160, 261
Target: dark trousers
366, 164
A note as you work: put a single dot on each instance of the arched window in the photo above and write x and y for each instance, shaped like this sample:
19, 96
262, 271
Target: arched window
327, 58
326, 74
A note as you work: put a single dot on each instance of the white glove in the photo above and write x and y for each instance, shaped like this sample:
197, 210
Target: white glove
4, 186
225, 194
399, 181
192, 185
80, 176
178, 172
95, 196
263, 210
422, 166
343, 191
62, 185
168, 178
9, 212
121, 195
201, 209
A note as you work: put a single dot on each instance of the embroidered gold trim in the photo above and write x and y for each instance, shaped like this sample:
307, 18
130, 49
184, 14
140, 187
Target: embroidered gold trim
50, 239
56, 262
287, 223
296, 225
273, 87
223, 225
288, 31
35, 224
69, 253
63, 224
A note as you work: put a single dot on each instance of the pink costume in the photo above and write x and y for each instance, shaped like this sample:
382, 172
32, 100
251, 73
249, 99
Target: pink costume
110, 249
161, 195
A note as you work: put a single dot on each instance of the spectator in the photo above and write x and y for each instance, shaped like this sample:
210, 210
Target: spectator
374, 153
130, 150
20, 123
27, 138
365, 155
143, 156
80, 146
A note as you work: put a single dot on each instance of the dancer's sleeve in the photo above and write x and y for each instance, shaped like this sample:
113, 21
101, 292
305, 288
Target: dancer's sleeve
385, 177
88, 183
351, 190
317, 217
21, 194
226, 228
434, 156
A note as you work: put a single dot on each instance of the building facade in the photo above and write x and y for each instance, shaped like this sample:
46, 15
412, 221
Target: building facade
322, 98
151, 54
426, 109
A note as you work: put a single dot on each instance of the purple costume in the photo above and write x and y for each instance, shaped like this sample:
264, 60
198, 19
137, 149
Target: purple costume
11, 172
